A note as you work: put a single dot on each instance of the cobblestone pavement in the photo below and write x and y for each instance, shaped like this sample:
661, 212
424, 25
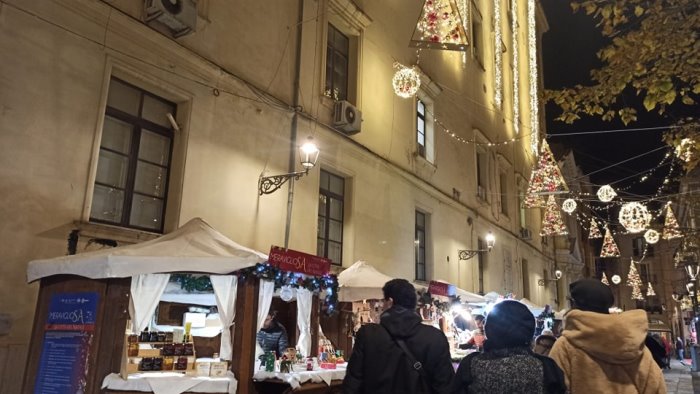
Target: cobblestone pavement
679, 379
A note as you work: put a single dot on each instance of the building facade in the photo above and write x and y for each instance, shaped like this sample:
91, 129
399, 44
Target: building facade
120, 124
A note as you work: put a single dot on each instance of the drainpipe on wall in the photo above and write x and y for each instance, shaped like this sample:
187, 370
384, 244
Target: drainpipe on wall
293, 131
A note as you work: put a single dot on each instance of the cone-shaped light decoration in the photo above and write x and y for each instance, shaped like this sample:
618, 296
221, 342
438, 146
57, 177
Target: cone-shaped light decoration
650, 290
634, 282
552, 223
671, 229
609, 246
594, 231
546, 178
440, 26
604, 279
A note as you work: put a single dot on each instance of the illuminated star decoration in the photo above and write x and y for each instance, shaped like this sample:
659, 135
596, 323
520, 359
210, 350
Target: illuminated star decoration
671, 229
552, 223
686, 149
604, 279
606, 193
569, 205
651, 236
440, 26
594, 231
406, 81
610, 248
634, 217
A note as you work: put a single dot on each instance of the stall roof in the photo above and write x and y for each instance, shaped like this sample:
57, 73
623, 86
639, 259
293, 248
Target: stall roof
361, 281
194, 247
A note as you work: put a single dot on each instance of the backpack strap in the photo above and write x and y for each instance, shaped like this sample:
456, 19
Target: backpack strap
417, 365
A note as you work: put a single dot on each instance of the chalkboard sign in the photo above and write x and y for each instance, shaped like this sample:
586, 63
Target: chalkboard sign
67, 337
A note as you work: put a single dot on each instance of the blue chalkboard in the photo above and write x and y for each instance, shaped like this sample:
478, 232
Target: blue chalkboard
68, 333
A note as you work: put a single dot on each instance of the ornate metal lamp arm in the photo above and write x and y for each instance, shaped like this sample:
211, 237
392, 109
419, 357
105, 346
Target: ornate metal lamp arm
269, 184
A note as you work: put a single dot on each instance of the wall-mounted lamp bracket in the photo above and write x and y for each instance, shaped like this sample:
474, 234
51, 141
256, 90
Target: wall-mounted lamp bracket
270, 184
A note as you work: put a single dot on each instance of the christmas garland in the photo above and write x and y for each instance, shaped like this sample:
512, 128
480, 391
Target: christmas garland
327, 283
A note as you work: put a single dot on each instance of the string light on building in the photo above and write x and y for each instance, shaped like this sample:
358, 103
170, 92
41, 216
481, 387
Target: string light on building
606, 193
651, 236
516, 66
532, 51
463, 8
634, 217
498, 49
569, 205
406, 81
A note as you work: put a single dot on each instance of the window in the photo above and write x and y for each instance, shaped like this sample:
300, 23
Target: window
329, 241
134, 161
521, 206
481, 261
600, 268
420, 127
481, 174
644, 274
337, 64
421, 230
477, 35
503, 178
638, 247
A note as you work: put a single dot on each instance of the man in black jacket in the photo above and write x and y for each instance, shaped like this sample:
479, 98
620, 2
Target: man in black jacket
378, 364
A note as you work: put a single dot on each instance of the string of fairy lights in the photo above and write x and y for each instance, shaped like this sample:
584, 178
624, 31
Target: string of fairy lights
516, 64
532, 64
498, 54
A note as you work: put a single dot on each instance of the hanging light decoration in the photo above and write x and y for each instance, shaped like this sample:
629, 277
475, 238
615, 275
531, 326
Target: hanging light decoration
569, 205
634, 217
604, 279
650, 290
440, 26
532, 64
616, 279
594, 231
686, 149
406, 81
651, 236
671, 228
606, 193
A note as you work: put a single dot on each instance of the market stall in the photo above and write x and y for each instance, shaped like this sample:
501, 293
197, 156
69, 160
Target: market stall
88, 302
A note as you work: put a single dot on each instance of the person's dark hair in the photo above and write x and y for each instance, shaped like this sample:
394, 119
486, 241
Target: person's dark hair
273, 314
479, 318
509, 324
402, 292
591, 295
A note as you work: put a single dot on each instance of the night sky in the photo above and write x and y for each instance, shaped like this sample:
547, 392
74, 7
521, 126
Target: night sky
569, 53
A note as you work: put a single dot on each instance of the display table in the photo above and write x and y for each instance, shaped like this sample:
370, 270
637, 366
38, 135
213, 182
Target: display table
170, 383
296, 379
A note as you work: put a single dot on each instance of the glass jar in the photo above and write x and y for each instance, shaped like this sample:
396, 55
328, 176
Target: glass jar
161, 337
133, 349
168, 363
181, 364
189, 349
179, 349
168, 337
169, 349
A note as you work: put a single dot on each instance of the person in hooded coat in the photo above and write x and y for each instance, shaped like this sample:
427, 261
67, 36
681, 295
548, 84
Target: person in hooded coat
507, 365
376, 357
604, 353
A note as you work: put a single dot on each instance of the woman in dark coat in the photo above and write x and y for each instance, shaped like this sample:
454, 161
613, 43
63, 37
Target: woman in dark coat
507, 365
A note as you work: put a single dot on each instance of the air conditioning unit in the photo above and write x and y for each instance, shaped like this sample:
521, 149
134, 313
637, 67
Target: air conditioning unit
481, 192
180, 16
526, 234
347, 118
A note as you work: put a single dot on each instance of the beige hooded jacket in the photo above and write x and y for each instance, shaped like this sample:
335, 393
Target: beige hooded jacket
602, 353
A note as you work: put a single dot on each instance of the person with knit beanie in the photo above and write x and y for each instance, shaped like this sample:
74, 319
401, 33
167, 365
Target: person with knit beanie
601, 352
507, 365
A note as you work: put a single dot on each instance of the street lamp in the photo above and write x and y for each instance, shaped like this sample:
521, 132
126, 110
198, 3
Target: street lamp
308, 154
468, 254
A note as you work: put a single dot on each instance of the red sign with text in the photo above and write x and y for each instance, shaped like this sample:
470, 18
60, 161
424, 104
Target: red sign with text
440, 288
292, 260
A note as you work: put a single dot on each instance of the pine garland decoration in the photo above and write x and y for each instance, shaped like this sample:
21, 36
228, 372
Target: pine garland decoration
610, 248
546, 178
552, 224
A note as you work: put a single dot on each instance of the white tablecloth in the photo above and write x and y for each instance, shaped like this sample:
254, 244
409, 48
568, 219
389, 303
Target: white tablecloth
171, 383
295, 379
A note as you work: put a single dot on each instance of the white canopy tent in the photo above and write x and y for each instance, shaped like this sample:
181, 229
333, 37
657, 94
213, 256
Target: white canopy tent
361, 281
194, 247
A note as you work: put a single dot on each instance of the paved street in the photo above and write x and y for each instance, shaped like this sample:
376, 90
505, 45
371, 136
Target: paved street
679, 380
